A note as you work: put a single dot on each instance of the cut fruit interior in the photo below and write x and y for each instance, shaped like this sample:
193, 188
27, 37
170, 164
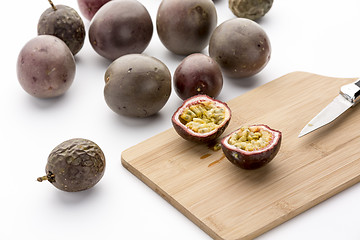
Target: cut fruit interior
202, 115
252, 139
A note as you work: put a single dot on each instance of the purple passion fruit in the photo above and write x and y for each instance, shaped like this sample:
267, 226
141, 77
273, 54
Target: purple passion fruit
251, 147
137, 85
247, 49
198, 74
201, 119
75, 165
185, 27
65, 23
88, 8
120, 27
45, 67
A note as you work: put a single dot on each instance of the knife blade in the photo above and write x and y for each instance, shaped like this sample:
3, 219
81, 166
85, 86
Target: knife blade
349, 96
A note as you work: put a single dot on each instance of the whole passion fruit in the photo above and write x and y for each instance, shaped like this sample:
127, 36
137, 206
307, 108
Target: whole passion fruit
88, 8
137, 85
201, 119
251, 147
198, 74
120, 27
247, 49
65, 23
251, 9
45, 67
75, 165
185, 27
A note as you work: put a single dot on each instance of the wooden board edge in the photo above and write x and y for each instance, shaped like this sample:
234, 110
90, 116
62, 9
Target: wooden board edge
170, 200
302, 209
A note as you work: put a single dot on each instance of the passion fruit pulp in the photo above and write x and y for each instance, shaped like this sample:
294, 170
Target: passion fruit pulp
251, 147
201, 119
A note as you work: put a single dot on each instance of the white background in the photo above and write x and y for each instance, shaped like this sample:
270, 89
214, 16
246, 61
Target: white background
319, 36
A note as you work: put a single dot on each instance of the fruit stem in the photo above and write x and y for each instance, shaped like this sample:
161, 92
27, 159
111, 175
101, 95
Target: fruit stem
43, 178
49, 177
52, 5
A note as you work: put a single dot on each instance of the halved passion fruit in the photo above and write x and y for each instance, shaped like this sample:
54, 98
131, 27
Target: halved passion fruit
251, 147
201, 119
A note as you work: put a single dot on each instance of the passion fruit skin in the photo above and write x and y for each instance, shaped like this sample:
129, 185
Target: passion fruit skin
198, 74
251, 160
76, 165
251, 9
247, 50
189, 135
137, 85
88, 8
45, 67
65, 23
120, 27
185, 27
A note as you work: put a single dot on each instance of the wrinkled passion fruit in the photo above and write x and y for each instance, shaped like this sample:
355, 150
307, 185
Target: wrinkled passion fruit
251, 9
75, 165
65, 23
201, 119
251, 147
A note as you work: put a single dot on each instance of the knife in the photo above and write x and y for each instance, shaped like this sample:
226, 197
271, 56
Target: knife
349, 96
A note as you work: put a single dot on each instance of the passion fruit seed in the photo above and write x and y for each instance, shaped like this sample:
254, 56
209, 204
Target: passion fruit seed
250, 138
203, 117
251, 147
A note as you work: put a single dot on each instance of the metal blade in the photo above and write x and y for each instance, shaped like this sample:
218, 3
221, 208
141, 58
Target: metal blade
327, 115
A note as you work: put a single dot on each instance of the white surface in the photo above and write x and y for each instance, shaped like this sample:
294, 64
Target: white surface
316, 36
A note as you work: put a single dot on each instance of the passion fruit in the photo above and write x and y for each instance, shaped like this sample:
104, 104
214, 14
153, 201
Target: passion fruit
88, 8
65, 23
120, 27
251, 147
185, 27
137, 85
247, 49
251, 9
198, 74
201, 119
45, 67
75, 165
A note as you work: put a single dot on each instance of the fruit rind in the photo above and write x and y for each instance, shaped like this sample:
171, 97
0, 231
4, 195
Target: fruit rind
77, 164
137, 85
253, 9
190, 135
252, 159
41, 74
64, 23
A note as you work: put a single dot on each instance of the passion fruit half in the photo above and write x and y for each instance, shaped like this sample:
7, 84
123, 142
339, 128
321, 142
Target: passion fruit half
251, 147
201, 119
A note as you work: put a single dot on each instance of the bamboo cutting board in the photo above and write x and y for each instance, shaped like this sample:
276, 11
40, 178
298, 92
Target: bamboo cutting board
230, 203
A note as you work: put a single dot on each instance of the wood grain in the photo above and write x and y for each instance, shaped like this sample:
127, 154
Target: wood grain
230, 203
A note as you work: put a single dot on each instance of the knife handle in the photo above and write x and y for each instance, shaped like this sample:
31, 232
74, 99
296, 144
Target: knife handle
351, 92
